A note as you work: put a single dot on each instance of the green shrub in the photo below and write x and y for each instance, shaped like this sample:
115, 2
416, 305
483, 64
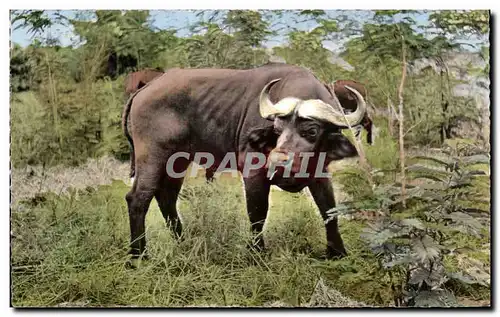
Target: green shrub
423, 229
88, 124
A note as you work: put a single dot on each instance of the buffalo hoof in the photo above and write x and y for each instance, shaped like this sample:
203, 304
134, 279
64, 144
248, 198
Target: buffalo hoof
332, 254
257, 245
257, 254
135, 261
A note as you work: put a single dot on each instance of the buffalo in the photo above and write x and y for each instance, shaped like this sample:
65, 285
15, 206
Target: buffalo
133, 82
348, 100
276, 111
136, 80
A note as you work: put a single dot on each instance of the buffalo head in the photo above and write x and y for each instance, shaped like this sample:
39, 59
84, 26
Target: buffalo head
307, 126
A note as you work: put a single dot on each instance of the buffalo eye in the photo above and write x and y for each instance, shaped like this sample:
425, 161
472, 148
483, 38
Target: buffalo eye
310, 133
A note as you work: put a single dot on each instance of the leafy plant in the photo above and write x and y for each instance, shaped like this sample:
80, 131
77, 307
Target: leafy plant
442, 201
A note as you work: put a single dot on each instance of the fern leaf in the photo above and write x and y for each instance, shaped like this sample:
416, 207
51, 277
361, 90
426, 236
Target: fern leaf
401, 260
466, 220
418, 276
435, 298
431, 177
377, 238
413, 223
476, 210
426, 171
442, 162
476, 159
468, 279
425, 249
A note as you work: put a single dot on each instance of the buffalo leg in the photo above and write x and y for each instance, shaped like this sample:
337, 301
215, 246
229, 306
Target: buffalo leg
148, 175
368, 125
209, 175
322, 193
369, 137
166, 196
257, 199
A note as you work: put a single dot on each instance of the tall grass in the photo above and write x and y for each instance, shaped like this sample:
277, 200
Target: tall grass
78, 135
71, 250
29, 132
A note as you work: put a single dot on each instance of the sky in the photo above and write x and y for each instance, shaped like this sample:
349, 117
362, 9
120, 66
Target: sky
181, 19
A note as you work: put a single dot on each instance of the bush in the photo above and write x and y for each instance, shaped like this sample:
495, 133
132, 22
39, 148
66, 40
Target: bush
84, 122
423, 230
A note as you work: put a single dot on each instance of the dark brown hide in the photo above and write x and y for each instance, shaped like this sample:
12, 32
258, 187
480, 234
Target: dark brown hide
135, 81
217, 111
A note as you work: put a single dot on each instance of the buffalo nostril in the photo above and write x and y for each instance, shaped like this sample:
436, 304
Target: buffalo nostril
277, 159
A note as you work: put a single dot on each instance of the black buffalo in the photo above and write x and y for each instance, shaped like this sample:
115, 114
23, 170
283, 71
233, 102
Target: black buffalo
275, 110
348, 101
136, 80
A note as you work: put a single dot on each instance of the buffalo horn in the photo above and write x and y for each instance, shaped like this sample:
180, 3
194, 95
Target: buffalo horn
318, 109
269, 110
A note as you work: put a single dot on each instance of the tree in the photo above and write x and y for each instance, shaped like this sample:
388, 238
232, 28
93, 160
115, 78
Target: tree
376, 57
461, 23
35, 20
128, 41
454, 26
249, 27
229, 40
20, 70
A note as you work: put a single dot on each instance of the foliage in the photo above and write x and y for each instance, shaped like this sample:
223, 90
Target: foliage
425, 97
462, 21
125, 36
249, 26
233, 43
306, 49
432, 110
35, 20
29, 132
444, 199
80, 128
112, 43
384, 40
20, 70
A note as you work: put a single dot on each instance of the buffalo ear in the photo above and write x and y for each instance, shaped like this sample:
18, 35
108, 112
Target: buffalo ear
260, 138
339, 147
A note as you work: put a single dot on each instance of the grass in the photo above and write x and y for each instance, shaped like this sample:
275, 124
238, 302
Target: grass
71, 250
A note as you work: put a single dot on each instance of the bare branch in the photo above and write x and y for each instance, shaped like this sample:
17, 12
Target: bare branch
413, 126
393, 110
401, 126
